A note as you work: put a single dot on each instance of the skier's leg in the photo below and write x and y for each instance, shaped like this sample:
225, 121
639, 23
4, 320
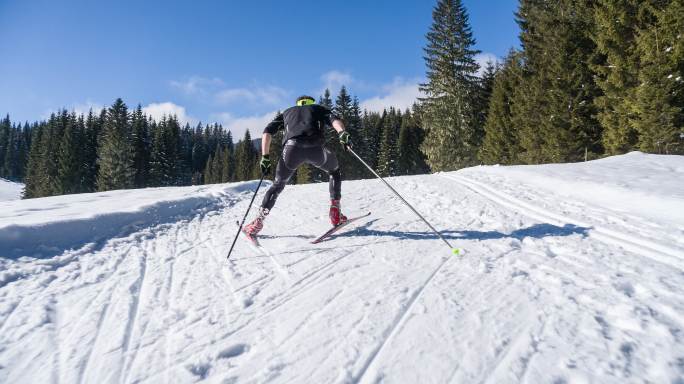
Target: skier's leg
282, 177
330, 165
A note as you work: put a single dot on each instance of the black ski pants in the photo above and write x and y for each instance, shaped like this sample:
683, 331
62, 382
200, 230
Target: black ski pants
292, 158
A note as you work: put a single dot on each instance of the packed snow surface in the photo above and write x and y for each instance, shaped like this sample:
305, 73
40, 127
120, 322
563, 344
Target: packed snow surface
10, 190
572, 273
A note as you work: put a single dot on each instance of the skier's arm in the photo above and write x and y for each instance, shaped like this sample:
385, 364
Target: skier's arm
265, 143
338, 125
272, 127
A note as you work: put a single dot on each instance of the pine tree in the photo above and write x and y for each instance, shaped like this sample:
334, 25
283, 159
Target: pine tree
617, 23
410, 159
69, 173
371, 128
173, 151
141, 147
554, 105
449, 115
49, 145
208, 175
326, 99
500, 145
387, 158
93, 129
225, 167
484, 95
354, 126
343, 109
35, 173
159, 163
8, 164
245, 158
404, 146
659, 99
115, 155
5, 132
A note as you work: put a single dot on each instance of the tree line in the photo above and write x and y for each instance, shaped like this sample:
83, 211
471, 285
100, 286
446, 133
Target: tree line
592, 78
118, 149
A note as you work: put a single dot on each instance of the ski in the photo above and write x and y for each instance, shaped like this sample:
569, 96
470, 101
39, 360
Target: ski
332, 230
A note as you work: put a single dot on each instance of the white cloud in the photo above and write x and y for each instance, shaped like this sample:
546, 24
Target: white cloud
215, 91
399, 94
334, 80
482, 59
78, 108
158, 110
84, 108
197, 85
238, 125
269, 95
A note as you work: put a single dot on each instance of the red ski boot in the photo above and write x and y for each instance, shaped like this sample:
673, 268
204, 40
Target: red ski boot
336, 217
253, 228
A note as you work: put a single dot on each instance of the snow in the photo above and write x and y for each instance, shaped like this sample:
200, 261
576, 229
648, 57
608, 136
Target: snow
573, 273
10, 190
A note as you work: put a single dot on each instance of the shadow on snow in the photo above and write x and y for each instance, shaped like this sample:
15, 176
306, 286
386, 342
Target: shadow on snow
537, 231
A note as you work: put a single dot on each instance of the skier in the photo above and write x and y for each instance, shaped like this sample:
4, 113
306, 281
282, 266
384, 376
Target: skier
303, 143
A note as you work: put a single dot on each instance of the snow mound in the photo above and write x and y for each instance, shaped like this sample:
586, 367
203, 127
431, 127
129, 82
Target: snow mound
46, 227
10, 190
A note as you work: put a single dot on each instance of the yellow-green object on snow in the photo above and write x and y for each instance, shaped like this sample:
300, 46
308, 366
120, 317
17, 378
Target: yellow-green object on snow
456, 251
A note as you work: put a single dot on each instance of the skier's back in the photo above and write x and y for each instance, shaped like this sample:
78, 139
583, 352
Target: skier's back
303, 143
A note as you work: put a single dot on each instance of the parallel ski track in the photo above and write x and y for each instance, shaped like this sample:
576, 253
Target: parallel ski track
396, 325
630, 242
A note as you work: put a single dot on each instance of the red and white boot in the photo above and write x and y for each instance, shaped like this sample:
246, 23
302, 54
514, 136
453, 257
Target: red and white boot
336, 216
253, 228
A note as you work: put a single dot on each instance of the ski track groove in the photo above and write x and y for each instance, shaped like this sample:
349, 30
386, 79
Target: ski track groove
169, 292
264, 251
88, 357
236, 299
10, 314
398, 323
315, 315
54, 332
629, 242
103, 314
135, 308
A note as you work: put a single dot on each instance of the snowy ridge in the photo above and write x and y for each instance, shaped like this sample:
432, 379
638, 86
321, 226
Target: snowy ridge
632, 242
34, 228
553, 287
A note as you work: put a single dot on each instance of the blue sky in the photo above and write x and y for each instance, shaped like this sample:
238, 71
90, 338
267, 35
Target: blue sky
235, 62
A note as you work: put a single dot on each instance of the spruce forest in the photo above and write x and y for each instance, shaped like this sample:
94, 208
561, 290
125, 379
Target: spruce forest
591, 78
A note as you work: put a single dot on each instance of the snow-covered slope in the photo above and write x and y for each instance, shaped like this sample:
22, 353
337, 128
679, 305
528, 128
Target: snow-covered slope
572, 273
10, 190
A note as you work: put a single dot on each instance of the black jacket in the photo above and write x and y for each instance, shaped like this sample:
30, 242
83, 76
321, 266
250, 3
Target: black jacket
303, 125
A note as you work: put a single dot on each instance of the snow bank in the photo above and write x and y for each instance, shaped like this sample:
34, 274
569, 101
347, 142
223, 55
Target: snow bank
10, 190
647, 185
47, 226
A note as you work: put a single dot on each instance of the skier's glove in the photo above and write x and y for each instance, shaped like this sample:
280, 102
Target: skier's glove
345, 140
265, 164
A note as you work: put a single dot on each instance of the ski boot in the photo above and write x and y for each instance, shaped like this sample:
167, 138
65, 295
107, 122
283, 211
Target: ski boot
336, 217
253, 228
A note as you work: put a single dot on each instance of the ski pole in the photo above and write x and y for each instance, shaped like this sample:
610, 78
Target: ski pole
246, 213
454, 250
